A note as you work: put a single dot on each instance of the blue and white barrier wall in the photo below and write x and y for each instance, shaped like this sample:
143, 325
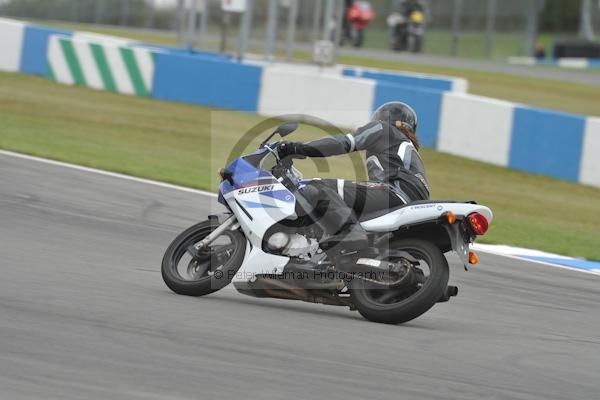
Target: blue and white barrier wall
543, 142
475, 126
589, 172
426, 102
102, 64
322, 94
433, 82
206, 80
23, 46
326, 93
12, 33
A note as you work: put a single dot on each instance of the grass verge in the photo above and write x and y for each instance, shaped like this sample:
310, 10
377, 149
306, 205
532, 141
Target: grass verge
184, 144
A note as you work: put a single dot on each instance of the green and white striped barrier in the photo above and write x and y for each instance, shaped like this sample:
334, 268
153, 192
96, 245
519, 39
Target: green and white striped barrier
104, 65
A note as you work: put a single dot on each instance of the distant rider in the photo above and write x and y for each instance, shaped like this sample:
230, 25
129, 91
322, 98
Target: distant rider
407, 7
395, 168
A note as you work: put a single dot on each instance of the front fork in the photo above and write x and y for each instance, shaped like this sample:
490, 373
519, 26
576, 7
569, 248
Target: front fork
229, 223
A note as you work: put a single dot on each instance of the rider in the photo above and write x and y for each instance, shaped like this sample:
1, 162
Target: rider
396, 174
407, 7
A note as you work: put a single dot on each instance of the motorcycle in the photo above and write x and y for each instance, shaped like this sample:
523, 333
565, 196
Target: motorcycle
407, 33
267, 245
357, 17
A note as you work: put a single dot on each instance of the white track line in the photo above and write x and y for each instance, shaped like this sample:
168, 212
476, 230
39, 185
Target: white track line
210, 194
528, 260
106, 173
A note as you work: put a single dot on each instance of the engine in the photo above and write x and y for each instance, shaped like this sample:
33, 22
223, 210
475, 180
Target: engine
293, 245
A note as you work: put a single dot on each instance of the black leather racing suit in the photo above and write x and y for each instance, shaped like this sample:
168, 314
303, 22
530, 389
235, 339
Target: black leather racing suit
395, 168
406, 8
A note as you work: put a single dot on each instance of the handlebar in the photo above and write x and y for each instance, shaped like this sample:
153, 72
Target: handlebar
272, 148
283, 170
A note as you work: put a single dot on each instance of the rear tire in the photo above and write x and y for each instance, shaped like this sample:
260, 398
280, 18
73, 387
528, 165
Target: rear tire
416, 304
212, 280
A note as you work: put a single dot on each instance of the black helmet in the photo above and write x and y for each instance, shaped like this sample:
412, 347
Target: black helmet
394, 111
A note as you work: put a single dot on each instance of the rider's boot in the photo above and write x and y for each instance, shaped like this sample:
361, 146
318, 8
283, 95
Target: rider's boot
347, 238
351, 236
345, 247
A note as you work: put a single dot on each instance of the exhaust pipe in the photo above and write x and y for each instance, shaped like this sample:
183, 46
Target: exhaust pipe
451, 291
284, 290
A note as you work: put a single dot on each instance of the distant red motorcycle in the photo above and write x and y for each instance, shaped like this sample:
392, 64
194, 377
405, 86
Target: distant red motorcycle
358, 16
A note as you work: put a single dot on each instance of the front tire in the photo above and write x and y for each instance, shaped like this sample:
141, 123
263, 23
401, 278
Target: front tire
417, 44
359, 38
404, 309
207, 271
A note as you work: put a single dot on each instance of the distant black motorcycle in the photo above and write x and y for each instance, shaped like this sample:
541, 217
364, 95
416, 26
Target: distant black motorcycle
407, 30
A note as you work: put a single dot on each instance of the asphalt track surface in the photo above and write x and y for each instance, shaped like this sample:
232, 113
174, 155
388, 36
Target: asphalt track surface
84, 314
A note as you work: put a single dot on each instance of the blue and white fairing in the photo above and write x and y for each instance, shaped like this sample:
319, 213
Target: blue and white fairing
255, 196
258, 201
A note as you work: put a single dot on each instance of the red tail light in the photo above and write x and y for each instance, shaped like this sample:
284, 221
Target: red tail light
479, 223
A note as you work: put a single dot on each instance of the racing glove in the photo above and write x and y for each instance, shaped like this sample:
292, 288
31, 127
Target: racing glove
286, 149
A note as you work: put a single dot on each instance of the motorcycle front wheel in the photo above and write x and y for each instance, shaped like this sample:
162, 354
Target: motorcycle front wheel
417, 45
359, 37
427, 284
191, 272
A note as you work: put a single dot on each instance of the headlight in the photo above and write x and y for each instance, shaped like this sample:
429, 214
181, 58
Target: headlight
278, 241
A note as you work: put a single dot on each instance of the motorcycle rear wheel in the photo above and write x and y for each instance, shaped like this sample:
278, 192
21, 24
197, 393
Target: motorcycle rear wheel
207, 271
370, 304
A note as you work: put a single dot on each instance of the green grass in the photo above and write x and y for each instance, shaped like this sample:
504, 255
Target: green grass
184, 144
471, 44
551, 94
